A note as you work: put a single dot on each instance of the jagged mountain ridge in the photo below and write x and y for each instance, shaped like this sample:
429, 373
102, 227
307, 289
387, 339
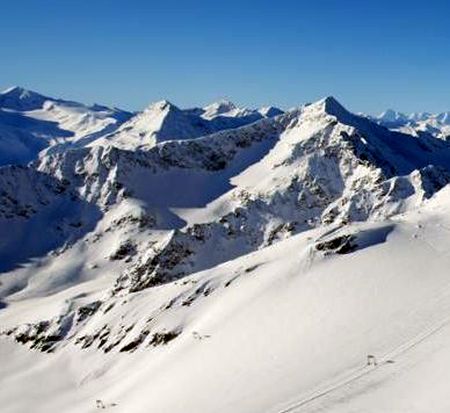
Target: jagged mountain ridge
417, 124
321, 165
178, 223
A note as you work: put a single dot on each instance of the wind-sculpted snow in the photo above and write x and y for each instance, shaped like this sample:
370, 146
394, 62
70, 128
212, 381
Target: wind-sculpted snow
273, 227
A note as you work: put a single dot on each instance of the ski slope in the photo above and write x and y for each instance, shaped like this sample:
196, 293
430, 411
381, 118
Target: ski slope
290, 334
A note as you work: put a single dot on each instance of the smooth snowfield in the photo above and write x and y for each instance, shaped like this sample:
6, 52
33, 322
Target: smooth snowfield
290, 331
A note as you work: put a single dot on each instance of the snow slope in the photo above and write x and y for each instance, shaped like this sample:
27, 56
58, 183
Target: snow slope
259, 340
30, 122
252, 269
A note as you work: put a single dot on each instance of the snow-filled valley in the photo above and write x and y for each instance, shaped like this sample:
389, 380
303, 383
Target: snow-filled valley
222, 259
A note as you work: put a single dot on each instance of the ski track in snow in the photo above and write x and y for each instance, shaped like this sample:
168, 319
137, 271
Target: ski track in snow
355, 375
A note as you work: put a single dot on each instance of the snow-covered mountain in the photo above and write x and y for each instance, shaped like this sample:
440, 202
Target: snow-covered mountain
437, 125
227, 109
30, 122
163, 121
247, 268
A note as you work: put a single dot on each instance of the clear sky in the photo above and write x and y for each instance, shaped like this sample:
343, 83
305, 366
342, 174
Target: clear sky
369, 54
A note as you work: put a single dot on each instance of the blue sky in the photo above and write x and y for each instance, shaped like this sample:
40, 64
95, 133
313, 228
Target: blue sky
370, 55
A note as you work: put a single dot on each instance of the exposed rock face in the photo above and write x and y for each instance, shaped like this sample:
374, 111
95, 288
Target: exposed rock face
343, 244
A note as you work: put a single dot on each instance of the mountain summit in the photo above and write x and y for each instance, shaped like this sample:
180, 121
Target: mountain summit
18, 98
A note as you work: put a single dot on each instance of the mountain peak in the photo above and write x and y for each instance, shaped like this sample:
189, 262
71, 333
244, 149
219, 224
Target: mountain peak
391, 115
218, 108
329, 106
21, 93
160, 106
222, 105
419, 116
12, 90
332, 106
19, 98
270, 111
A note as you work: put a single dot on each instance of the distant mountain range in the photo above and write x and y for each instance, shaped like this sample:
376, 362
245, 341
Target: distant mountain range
30, 123
437, 125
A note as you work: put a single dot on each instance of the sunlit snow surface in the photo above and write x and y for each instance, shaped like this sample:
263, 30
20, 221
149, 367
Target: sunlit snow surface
254, 269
